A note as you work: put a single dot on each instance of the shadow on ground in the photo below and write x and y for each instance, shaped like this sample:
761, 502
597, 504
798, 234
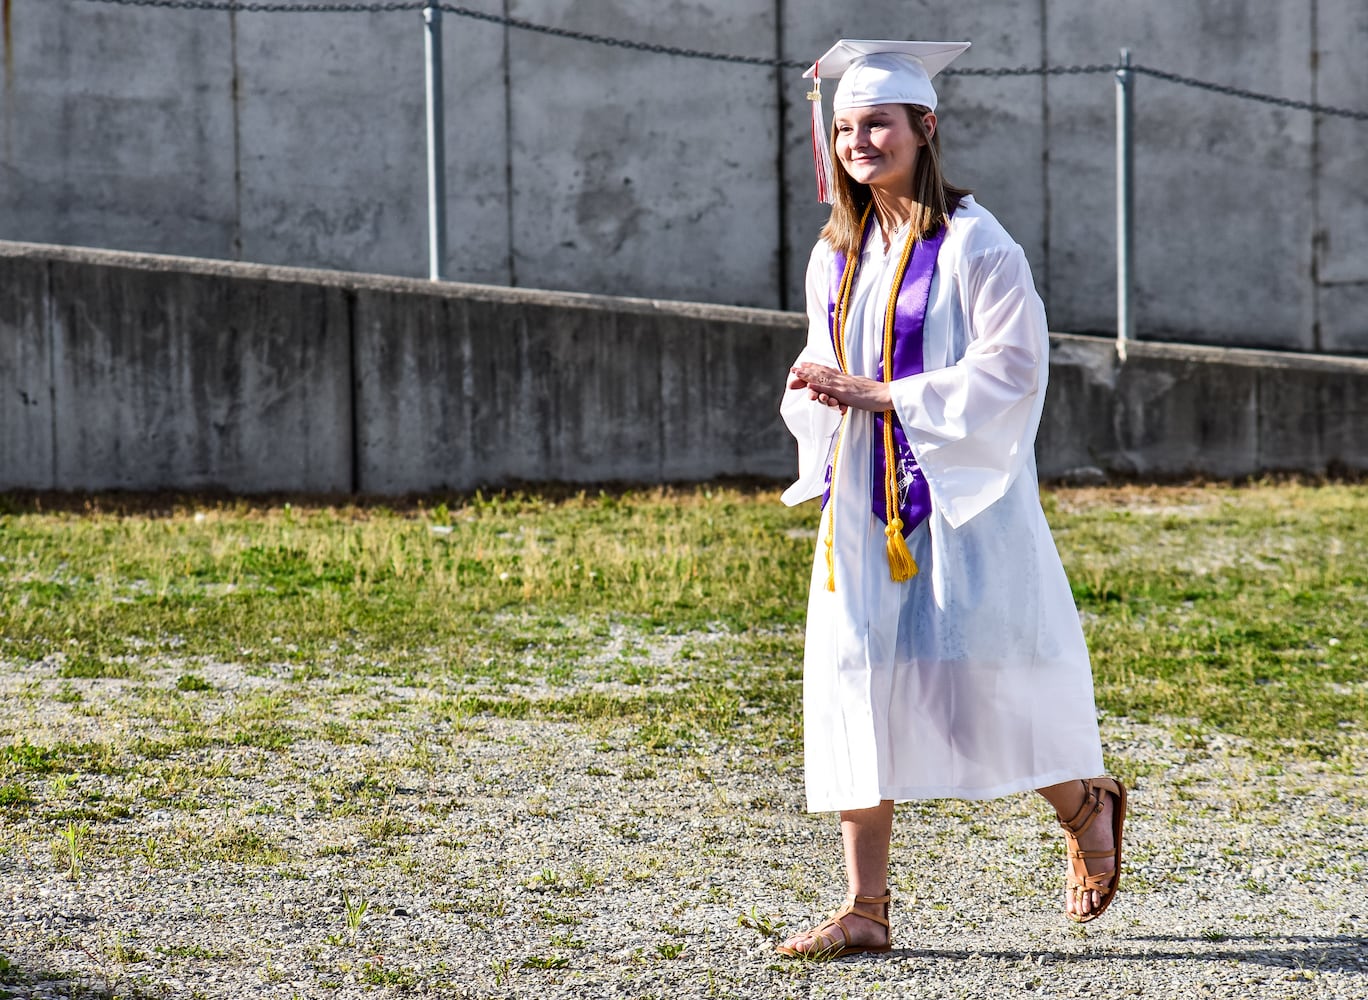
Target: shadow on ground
1337, 953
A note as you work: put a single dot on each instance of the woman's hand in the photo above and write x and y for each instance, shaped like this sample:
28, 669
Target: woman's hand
835, 388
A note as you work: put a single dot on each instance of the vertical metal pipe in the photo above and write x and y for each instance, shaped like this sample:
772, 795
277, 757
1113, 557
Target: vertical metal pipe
436, 142
1125, 203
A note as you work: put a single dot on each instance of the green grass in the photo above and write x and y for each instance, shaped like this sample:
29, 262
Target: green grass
1242, 610
677, 613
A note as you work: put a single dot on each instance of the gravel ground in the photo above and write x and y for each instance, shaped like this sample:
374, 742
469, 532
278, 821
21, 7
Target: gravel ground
549, 860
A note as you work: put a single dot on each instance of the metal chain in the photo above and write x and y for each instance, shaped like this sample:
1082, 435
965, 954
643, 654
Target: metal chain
670, 50
250, 7
1032, 70
254, 7
1251, 95
619, 43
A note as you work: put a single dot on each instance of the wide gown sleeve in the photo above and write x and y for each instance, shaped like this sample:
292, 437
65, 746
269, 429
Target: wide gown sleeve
972, 425
813, 424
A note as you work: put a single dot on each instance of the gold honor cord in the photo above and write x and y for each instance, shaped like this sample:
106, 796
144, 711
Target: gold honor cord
901, 565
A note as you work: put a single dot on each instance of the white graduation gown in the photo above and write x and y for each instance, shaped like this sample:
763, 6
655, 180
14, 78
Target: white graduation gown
971, 680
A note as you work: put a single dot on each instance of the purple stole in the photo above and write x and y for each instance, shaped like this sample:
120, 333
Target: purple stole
909, 321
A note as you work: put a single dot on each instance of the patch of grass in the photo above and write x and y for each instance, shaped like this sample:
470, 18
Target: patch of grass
376, 974
241, 845
86, 665
383, 828
265, 735
14, 796
546, 962
62, 757
29, 757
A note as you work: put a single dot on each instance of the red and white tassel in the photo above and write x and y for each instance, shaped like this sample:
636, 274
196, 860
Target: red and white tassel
821, 152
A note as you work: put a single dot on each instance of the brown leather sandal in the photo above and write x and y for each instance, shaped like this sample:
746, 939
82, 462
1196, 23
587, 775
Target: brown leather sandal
825, 953
1079, 880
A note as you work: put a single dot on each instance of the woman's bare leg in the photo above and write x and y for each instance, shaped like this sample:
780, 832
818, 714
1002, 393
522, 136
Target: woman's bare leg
1067, 799
866, 834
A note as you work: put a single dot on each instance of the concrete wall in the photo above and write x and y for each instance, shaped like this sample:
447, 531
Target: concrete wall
135, 373
298, 139
125, 371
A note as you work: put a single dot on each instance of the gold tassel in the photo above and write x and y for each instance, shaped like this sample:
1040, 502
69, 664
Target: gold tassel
901, 565
831, 565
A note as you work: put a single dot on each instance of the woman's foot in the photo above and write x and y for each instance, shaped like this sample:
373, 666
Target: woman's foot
1092, 835
861, 925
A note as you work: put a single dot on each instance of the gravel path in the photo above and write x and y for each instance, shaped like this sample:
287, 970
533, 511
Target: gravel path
523, 859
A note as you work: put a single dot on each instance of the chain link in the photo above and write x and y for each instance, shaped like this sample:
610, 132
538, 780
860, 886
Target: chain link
255, 7
1032, 70
620, 43
250, 7
1251, 95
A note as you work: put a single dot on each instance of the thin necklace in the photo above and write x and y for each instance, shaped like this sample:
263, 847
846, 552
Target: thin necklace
891, 233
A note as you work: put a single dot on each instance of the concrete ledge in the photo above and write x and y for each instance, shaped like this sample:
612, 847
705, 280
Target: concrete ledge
145, 372
1172, 410
26, 407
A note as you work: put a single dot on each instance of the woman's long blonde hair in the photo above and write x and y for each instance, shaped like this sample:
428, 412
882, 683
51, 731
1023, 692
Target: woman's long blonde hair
934, 198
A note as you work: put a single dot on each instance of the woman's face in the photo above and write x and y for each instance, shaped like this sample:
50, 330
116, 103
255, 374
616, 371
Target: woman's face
878, 147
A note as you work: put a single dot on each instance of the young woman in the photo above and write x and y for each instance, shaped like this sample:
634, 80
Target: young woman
944, 656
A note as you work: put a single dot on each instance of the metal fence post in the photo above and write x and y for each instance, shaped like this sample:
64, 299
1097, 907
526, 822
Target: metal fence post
1125, 202
436, 141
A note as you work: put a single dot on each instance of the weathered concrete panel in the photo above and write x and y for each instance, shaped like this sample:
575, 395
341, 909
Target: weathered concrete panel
1342, 398
1342, 144
456, 393
1308, 417
459, 388
640, 174
1343, 317
1164, 411
25, 374
479, 229
722, 375
1077, 437
168, 377
1180, 415
332, 123
306, 195
1206, 259
1342, 196
1079, 196
418, 438
116, 128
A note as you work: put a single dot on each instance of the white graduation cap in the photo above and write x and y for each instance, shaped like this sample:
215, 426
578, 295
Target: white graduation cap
872, 71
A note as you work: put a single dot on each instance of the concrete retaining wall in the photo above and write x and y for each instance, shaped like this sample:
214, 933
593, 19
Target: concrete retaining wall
297, 138
126, 371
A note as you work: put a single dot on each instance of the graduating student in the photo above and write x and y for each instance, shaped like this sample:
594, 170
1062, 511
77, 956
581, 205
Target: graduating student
944, 656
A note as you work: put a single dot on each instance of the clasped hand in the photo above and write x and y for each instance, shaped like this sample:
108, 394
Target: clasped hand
833, 387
